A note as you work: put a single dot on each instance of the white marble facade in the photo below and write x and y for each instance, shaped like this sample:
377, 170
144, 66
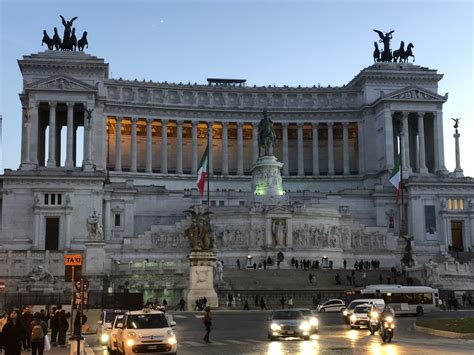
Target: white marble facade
142, 141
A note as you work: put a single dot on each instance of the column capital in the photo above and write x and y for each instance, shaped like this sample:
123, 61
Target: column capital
225, 124
118, 118
134, 119
315, 125
164, 122
405, 114
300, 124
345, 124
70, 104
210, 124
255, 124
194, 123
179, 122
149, 120
51, 104
421, 114
285, 124
330, 124
240, 124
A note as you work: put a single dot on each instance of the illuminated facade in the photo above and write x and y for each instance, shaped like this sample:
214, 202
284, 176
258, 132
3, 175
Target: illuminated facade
130, 149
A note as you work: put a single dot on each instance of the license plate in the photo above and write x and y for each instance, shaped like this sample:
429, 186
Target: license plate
152, 347
291, 332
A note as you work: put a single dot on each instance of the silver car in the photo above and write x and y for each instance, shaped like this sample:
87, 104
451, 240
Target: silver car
288, 323
311, 318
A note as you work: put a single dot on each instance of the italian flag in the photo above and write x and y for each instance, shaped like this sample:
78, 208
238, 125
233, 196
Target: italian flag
201, 172
395, 176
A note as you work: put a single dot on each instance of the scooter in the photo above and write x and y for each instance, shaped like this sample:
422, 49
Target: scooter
374, 322
386, 329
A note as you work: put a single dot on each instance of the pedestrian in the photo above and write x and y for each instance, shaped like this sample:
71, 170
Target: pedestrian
246, 305
381, 279
345, 264
262, 304
464, 299
63, 326
207, 320
290, 302
165, 303
27, 318
79, 321
282, 302
256, 301
39, 329
310, 278
182, 302
53, 325
13, 333
238, 264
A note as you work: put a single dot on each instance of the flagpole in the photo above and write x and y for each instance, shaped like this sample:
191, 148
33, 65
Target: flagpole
207, 172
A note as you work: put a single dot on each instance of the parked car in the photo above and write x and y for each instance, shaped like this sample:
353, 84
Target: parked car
346, 313
288, 323
334, 305
146, 331
105, 324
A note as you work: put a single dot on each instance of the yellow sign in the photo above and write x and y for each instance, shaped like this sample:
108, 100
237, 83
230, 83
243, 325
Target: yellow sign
73, 260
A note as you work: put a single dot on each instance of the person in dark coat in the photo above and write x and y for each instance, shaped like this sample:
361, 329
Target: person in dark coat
63, 326
13, 334
78, 323
53, 325
27, 318
39, 329
207, 320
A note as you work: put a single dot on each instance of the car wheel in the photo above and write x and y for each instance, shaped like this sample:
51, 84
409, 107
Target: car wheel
322, 310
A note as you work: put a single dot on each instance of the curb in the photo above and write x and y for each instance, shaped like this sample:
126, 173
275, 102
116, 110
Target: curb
443, 333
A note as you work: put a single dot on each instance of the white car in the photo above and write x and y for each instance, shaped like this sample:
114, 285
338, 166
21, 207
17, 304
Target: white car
112, 343
146, 331
104, 324
334, 305
346, 313
360, 316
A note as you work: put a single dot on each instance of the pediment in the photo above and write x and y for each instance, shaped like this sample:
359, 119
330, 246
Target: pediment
415, 94
61, 83
279, 210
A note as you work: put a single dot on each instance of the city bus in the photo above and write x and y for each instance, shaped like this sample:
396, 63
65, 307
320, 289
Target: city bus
405, 299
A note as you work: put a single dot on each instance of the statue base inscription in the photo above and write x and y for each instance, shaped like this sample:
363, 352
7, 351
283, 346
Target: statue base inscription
266, 179
201, 279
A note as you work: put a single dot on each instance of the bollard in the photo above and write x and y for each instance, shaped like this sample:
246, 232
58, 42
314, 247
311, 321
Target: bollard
73, 346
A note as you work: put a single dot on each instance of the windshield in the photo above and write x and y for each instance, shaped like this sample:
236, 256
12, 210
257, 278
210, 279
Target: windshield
362, 309
110, 316
355, 304
306, 312
287, 315
147, 321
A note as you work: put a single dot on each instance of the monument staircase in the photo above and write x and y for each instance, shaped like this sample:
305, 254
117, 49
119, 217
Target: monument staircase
273, 284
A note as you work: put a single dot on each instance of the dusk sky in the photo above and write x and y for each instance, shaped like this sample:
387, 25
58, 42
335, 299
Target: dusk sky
266, 42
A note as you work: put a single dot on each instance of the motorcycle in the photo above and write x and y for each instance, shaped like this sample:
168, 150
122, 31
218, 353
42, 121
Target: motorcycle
386, 329
374, 322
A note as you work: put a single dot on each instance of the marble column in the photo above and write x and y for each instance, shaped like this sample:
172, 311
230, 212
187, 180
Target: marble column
225, 148
330, 148
300, 126
133, 145
87, 160
70, 135
389, 152
240, 149
438, 141
164, 147
361, 147
179, 148
149, 146
107, 215
406, 145
52, 135
255, 151
210, 125
315, 149
67, 243
345, 147
458, 172
286, 168
194, 146
25, 149
421, 143
118, 143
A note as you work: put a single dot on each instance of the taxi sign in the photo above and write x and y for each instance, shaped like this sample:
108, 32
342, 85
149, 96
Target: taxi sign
73, 259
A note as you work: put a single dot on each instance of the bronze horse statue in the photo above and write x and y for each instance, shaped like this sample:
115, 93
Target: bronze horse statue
397, 54
266, 134
376, 52
401, 55
408, 53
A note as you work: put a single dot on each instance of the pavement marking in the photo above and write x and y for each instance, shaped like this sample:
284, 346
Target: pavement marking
236, 342
193, 343
178, 316
199, 316
256, 341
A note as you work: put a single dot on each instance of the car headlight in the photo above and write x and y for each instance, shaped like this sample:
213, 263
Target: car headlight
392, 325
305, 326
344, 312
104, 338
389, 319
314, 322
132, 335
130, 342
172, 340
275, 327
374, 315
353, 318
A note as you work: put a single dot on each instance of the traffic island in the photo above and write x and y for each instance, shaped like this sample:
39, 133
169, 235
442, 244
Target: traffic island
444, 327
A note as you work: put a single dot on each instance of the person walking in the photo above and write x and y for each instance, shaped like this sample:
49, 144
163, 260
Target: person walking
53, 325
27, 318
282, 302
182, 302
262, 304
63, 326
345, 264
246, 305
310, 278
290, 302
207, 320
39, 329
13, 333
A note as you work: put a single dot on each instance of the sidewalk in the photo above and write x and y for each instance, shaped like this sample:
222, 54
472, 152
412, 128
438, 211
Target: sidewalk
63, 351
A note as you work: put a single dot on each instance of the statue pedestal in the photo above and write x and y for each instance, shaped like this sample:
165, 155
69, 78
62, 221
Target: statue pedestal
95, 258
201, 279
266, 180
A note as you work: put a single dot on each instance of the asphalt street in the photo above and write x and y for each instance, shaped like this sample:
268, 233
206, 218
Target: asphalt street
246, 333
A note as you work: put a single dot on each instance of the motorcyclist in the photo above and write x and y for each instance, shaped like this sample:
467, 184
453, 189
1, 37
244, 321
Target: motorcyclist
387, 311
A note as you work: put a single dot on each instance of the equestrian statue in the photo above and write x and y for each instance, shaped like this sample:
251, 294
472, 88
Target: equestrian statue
69, 41
399, 56
266, 134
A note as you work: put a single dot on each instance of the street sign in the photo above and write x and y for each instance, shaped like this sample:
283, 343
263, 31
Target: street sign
73, 259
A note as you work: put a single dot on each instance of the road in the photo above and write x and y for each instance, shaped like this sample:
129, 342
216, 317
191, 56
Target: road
246, 333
